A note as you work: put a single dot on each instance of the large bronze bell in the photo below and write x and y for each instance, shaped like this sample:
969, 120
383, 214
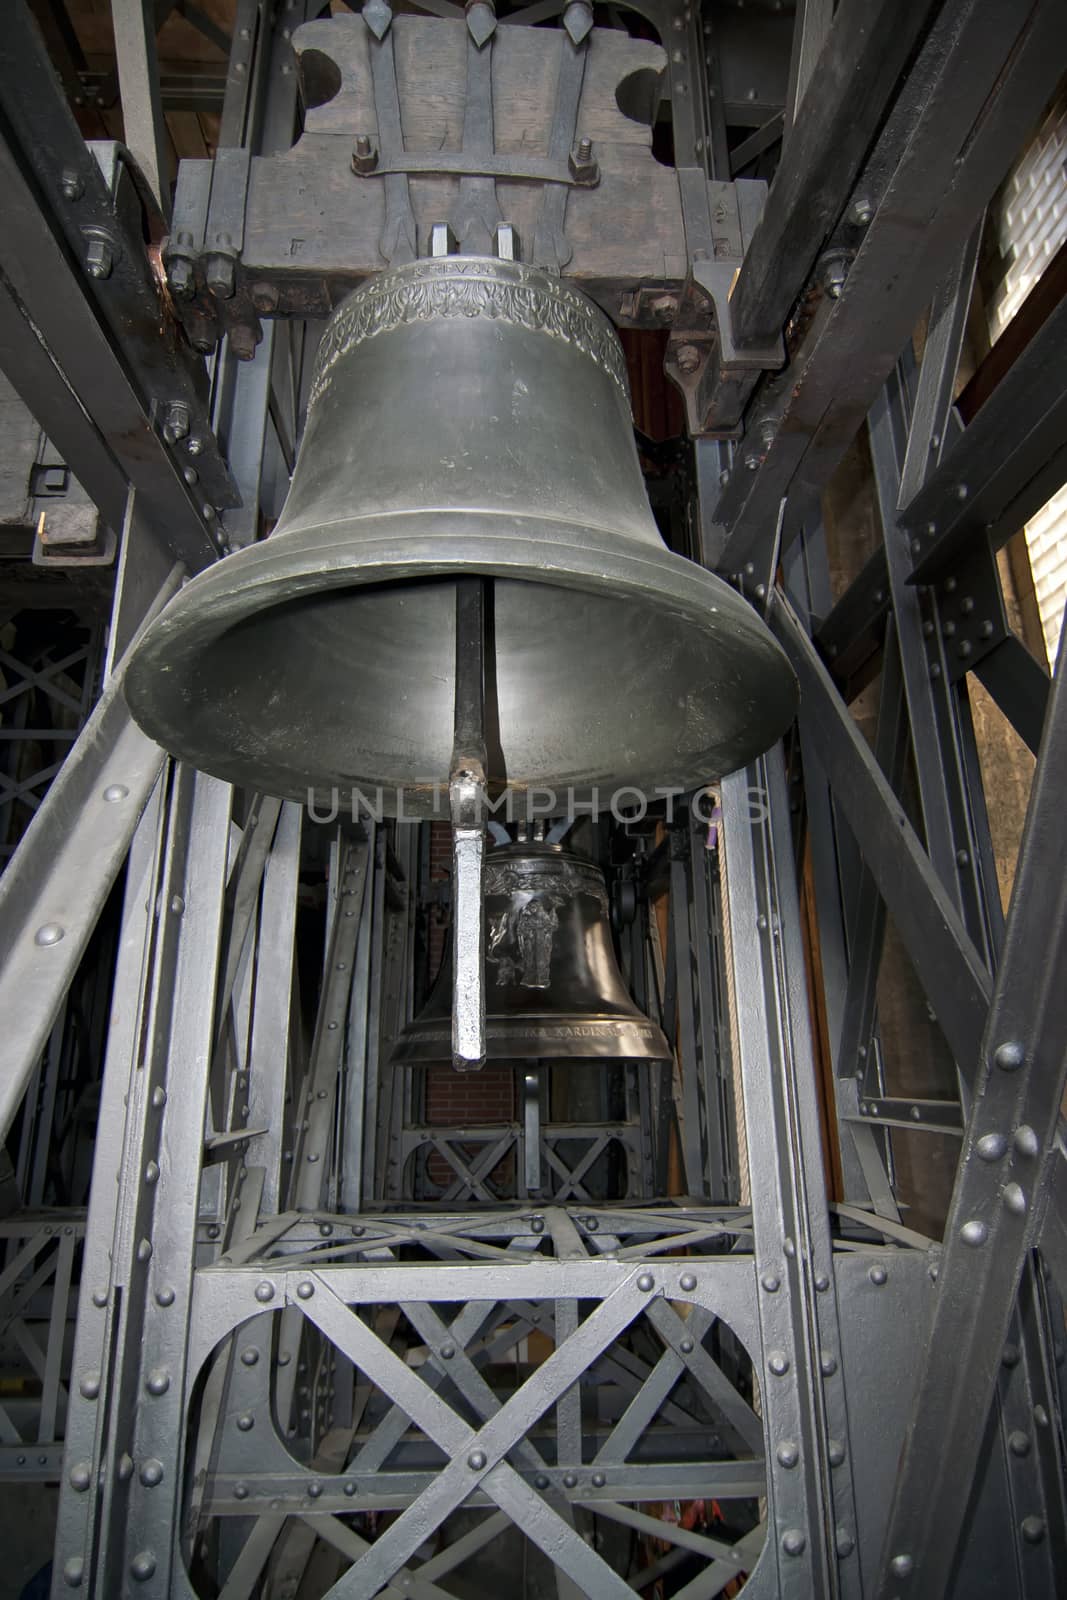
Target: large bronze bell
467, 417
553, 987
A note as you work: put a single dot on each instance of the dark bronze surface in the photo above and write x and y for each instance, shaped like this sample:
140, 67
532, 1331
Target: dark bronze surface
553, 988
467, 416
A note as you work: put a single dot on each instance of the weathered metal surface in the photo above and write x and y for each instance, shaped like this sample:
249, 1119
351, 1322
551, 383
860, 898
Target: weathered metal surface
499, 443
553, 987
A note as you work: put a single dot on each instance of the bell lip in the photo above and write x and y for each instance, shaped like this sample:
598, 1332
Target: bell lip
502, 1049
426, 544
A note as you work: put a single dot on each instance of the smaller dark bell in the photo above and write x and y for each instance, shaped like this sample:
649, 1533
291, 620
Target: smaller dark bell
553, 989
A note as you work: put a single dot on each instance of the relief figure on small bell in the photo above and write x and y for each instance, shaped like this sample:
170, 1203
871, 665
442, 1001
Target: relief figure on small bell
520, 943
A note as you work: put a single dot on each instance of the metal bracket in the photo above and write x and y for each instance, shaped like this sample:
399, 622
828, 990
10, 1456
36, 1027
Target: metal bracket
716, 376
550, 247
971, 607
399, 241
468, 163
476, 214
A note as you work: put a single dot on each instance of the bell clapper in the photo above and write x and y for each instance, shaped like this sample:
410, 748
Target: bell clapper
531, 1129
467, 797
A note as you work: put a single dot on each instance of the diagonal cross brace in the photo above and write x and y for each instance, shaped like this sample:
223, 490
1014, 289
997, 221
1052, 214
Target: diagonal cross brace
476, 1453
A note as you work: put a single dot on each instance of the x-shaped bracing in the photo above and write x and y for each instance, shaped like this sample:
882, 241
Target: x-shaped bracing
477, 1454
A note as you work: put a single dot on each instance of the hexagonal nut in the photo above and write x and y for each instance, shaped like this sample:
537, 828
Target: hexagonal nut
364, 155
180, 277
265, 298
99, 258
243, 341
220, 275
664, 307
583, 168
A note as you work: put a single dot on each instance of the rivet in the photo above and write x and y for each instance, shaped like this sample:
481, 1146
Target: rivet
250, 1355
115, 791
264, 1291
1040, 1414
447, 1352
144, 1250
1015, 1199
143, 1566
974, 1233
246, 1422
828, 1364
778, 1362
315, 1489
1032, 1529
350, 1487
771, 1282
1010, 1355
306, 1289
158, 1381
685, 1346
789, 1248
598, 1480
991, 1146
73, 1572
159, 1097
240, 1491
570, 1480
49, 933
151, 1173
788, 1453
100, 1298
541, 1481
822, 1283
89, 1387
1026, 1141
844, 1542
477, 1460
646, 1282
177, 904
835, 1452
1019, 1442
687, 1281
165, 1296
793, 1542
81, 1475
151, 1473
878, 1275
902, 1566
1009, 1056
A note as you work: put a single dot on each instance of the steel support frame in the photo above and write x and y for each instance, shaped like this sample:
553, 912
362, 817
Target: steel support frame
190, 1258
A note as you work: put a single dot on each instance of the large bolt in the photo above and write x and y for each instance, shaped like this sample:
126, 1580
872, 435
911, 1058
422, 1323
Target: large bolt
220, 274
582, 166
177, 424
180, 278
364, 155
99, 259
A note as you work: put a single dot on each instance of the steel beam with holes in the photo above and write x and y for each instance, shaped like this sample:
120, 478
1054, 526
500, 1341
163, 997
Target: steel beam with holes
857, 71
1004, 466
965, 109
995, 1212
957, 981
59, 877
